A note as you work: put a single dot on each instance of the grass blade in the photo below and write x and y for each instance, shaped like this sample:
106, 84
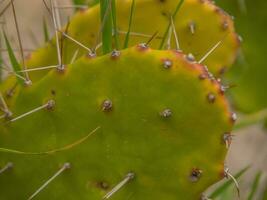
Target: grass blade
106, 23
126, 42
255, 186
169, 25
45, 30
13, 60
227, 184
114, 20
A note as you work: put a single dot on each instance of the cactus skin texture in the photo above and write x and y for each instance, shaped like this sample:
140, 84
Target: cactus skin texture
211, 25
164, 148
250, 71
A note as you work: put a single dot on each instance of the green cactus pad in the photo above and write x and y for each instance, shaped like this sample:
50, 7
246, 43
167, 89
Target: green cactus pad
250, 71
211, 25
159, 116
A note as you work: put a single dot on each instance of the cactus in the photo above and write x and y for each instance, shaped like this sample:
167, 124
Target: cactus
249, 73
149, 126
191, 26
137, 123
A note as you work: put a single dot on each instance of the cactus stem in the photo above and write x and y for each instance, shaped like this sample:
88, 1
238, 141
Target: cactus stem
127, 178
175, 34
20, 43
62, 169
49, 105
229, 175
192, 27
210, 52
8, 166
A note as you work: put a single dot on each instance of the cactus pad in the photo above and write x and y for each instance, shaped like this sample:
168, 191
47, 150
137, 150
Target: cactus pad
160, 121
199, 26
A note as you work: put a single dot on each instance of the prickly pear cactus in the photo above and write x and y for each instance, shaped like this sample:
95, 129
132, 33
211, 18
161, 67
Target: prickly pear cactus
250, 71
196, 36
156, 116
137, 123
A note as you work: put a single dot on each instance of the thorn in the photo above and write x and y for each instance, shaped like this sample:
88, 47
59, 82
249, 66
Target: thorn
142, 46
8, 166
107, 105
168, 43
175, 34
233, 117
62, 169
39, 68
211, 51
190, 57
49, 105
167, 64
130, 176
227, 139
138, 34
15, 74
166, 113
56, 32
115, 54
71, 7
152, 37
74, 57
57, 14
204, 197
211, 97
192, 27
20, 43
75, 41
7, 112
228, 175
195, 175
